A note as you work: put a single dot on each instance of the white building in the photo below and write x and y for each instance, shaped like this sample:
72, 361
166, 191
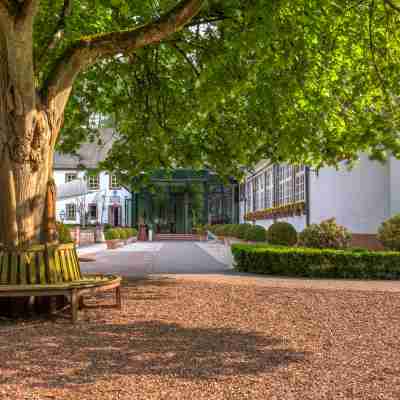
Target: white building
360, 199
85, 197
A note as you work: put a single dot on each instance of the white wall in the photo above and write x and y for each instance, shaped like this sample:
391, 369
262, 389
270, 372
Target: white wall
102, 197
299, 222
394, 167
359, 199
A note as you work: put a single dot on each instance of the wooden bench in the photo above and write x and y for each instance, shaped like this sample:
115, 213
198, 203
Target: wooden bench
89, 285
52, 270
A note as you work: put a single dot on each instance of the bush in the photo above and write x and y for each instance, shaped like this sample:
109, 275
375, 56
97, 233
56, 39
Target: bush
112, 234
124, 233
242, 230
64, 234
133, 232
256, 233
106, 227
316, 263
327, 235
282, 233
389, 233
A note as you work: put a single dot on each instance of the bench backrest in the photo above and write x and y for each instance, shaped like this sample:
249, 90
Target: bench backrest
42, 264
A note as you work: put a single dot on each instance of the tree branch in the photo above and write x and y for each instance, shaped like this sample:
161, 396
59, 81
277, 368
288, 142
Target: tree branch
186, 57
392, 5
58, 31
88, 50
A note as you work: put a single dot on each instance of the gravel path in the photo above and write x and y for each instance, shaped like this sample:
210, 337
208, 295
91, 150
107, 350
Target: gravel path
210, 339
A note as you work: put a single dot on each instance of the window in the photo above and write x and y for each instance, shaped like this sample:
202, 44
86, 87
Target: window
70, 212
70, 176
93, 182
92, 211
248, 195
114, 184
285, 182
258, 183
300, 183
269, 187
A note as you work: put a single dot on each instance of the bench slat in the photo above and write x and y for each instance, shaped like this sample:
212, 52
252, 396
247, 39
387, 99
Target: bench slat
4, 269
58, 266
42, 268
14, 269
23, 271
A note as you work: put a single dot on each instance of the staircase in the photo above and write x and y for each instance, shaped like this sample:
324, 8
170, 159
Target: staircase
177, 237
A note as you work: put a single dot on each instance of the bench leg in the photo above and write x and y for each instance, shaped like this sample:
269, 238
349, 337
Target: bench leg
74, 306
118, 297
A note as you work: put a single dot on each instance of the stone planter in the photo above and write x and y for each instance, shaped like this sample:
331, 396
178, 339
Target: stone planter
131, 240
41, 264
114, 243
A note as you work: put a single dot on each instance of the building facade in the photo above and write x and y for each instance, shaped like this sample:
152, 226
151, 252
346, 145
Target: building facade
88, 198
177, 202
360, 198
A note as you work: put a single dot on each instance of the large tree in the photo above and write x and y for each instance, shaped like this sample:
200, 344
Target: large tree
306, 81
189, 83
40, 61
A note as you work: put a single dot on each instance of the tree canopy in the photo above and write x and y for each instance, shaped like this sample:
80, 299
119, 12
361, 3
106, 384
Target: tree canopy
305, 81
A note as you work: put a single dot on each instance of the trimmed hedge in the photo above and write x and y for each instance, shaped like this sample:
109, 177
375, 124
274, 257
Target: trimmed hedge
254, 233
282, 233
316, 263
120, 233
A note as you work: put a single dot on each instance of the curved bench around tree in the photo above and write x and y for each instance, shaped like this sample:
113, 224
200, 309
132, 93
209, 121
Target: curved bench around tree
51, 270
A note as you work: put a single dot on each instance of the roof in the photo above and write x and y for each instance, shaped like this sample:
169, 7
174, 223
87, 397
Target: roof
89, 154
74, 188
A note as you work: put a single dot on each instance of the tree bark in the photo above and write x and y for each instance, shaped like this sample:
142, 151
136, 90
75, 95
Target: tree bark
28, 194
30, 120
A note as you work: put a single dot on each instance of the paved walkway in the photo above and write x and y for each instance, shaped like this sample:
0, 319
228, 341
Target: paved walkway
142, 259
207, 262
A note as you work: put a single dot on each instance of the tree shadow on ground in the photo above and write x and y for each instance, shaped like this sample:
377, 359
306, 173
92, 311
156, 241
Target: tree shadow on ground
79, 355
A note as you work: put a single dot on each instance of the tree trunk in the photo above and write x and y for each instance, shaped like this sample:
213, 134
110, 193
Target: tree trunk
28, 195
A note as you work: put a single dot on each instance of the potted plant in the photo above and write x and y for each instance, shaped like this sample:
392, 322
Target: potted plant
112, 238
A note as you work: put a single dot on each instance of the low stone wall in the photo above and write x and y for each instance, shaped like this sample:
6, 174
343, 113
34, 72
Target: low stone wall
83, 237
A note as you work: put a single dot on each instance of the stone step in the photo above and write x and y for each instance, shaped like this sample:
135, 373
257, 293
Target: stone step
177, 236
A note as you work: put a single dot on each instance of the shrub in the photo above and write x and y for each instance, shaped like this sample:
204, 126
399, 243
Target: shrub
64, 234
242, 230
106, 227
133, 232
112, 234
316, 263
256, 233
282, 233
327, 235
389, 233
218, 230
124, 233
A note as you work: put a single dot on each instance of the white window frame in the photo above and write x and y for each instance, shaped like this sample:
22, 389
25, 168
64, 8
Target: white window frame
93, 182
114, 184
70, 176
70, 216
300, 183
269, 187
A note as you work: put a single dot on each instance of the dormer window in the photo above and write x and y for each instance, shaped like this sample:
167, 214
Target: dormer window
70, 176
93, 182
114, 184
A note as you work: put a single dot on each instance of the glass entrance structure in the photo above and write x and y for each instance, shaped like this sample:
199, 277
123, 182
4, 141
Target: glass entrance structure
179, 201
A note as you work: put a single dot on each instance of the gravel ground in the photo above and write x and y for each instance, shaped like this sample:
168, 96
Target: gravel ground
182, 339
